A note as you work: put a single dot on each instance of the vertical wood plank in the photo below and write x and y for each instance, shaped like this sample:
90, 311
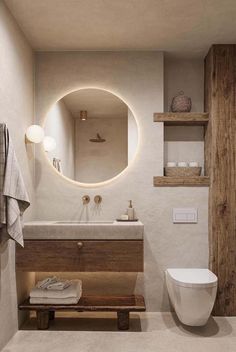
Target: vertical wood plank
220, 164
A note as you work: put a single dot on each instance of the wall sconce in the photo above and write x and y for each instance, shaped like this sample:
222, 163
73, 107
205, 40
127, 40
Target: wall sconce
83, 115
34, 134
49, 144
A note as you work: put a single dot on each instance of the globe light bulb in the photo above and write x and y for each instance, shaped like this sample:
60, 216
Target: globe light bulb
49, 144
35, 134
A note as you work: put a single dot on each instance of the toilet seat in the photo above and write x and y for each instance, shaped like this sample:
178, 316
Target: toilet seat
195, 278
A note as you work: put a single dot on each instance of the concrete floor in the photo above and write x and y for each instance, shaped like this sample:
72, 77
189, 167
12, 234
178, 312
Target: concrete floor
149, 332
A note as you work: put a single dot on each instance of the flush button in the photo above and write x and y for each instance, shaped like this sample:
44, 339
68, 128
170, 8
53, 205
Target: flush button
185, 216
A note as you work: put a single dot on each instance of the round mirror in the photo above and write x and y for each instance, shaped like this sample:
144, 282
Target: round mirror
90, 136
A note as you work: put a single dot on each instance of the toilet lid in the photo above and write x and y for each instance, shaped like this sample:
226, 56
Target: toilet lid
193, 277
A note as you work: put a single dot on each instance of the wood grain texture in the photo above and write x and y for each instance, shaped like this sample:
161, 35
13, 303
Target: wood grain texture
42, 317
91, 256
220, 163
178, 119
165, 181
120, 304
123, 320
132, 303
51, 315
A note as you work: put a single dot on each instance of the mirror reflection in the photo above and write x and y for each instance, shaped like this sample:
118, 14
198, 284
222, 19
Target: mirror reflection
91, 135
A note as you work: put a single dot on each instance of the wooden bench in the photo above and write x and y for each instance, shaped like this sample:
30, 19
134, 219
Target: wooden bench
123, 305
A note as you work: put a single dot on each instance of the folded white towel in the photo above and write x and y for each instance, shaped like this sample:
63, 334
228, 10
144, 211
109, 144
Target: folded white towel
35, 300
59, 285
73, 291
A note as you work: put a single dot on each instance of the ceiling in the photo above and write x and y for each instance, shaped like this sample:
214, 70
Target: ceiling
97, 102
179, 27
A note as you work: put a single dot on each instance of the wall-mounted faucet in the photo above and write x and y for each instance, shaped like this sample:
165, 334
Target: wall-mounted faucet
98, 199
85, 199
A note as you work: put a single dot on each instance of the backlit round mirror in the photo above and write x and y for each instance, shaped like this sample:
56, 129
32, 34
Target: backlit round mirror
93, 135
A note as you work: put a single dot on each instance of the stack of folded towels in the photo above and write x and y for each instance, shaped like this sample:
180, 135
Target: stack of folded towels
55, 291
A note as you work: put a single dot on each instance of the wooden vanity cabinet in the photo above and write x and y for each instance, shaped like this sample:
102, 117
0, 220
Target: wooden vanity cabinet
80, 255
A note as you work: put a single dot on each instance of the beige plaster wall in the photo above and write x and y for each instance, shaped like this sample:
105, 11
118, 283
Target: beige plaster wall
61, 125
16, 109
132, 136
184, 144
186, 75
97, 162
138, 79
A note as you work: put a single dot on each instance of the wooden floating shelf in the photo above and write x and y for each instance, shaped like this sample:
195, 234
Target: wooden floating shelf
165, 181
181, 119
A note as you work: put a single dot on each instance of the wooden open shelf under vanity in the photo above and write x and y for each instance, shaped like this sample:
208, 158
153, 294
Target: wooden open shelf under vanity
122, 305
181, 119
83, 251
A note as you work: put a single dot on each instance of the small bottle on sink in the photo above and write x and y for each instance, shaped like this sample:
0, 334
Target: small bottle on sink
130, 211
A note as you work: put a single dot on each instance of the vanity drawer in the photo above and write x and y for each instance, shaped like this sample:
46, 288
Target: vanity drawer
107, 255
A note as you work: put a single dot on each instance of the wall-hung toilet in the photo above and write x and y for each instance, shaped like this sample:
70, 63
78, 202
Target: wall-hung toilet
192, 293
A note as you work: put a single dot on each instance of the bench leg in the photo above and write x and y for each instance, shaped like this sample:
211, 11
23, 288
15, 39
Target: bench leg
123, 320
42, 319
52, 315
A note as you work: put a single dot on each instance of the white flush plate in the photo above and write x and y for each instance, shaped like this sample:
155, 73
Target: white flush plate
185, 215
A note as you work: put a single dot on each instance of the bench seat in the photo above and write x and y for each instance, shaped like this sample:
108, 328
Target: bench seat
120, 304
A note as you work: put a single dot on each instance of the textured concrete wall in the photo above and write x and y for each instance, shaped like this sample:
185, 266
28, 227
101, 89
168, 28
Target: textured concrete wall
137, 78
184, 143
16, 109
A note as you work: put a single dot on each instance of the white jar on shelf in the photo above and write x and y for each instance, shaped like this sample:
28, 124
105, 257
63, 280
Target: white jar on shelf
171, 164
182, 164
194, 164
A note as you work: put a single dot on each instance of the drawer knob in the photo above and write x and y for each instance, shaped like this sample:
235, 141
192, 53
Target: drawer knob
80, 245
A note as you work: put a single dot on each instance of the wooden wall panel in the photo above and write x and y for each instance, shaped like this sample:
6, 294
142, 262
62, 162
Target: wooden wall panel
220, 164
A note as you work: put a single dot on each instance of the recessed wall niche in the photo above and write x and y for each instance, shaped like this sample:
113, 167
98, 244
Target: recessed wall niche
96, 135
184, 143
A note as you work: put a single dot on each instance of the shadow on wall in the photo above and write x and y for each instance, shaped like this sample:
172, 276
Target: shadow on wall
25, 281
15, 282
4, 257
184, 133
8, 304
38, 174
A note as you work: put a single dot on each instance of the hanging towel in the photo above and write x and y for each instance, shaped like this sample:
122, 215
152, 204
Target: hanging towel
14, 197
2, 174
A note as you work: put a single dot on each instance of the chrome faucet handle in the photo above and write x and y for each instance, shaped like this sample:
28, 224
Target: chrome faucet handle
85, 199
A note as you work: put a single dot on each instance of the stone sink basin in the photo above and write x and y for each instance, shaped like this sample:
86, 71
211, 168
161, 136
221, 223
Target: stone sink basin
90, 230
